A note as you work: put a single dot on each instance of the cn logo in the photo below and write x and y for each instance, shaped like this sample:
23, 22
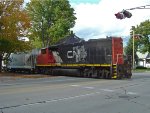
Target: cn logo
78, 52
71, 54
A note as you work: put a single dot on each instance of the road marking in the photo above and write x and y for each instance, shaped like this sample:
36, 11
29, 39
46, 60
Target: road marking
89, 87
107, 90
75, 85
50, 101
132, 93
35, 82
3, 84
85, 87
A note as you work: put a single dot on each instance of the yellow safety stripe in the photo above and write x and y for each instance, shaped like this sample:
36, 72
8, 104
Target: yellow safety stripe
114, 77
75, 65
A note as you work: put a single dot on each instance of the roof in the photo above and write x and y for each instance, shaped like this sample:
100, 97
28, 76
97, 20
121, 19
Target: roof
143, 56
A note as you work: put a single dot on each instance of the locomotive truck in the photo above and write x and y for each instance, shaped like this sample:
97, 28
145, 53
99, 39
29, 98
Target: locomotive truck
98, 58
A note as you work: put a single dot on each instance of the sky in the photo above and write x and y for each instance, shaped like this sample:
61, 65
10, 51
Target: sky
96, 19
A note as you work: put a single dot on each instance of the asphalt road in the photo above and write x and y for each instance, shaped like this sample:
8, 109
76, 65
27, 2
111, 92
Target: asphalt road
75, 95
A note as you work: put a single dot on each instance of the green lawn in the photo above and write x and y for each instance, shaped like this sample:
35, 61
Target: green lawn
141, 70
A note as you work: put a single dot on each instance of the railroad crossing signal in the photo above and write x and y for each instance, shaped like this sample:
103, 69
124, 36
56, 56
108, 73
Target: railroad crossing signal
126, 14
123, 14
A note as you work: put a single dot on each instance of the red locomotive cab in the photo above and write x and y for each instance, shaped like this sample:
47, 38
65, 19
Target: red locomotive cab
45, 57
117, 51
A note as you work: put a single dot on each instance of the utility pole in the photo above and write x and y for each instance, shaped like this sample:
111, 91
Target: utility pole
133, 48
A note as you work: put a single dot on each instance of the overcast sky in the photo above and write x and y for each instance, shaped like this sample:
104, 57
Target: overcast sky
96, 19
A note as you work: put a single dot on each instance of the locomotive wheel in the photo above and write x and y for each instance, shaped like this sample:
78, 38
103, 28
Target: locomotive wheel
98, 74
83, 72
119, 76
128, 75
46, 71
103, 74
88, 73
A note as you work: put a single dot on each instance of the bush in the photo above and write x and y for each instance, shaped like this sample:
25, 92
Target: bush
140, 67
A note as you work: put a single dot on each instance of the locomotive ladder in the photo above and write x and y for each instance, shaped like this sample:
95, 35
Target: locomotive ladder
114, 71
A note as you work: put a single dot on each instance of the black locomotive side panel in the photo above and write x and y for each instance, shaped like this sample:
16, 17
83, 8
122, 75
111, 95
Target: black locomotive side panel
73, 53
98, 51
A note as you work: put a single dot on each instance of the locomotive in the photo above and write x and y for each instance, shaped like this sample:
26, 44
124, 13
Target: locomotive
98, 58
22, 61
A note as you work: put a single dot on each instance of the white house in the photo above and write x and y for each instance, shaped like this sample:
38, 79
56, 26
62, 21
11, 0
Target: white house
143, 59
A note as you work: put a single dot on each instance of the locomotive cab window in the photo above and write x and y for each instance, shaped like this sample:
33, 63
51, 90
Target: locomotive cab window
43, 51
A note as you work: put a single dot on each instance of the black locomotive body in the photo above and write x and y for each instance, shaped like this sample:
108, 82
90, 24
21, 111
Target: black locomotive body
86, 52
100, 58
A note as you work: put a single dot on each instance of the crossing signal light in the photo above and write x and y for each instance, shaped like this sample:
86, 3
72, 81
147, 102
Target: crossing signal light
119, 15
123, 14
127, 14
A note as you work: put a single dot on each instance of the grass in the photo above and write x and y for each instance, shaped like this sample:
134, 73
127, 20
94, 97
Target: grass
141, 70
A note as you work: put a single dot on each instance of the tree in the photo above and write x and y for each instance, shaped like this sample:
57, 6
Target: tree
129, 47
142, 40
51, 20
144, 30
14, 22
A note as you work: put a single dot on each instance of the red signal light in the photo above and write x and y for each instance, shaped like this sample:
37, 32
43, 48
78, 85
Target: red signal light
119, 15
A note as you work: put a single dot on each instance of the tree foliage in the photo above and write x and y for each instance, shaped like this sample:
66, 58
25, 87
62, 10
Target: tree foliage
143, 29
129, 48
14, 22
51, 20
142, 40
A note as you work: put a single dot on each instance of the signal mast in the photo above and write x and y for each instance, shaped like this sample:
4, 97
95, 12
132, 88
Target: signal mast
126, 14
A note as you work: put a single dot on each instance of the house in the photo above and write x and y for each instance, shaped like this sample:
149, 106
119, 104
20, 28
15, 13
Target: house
143, 59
